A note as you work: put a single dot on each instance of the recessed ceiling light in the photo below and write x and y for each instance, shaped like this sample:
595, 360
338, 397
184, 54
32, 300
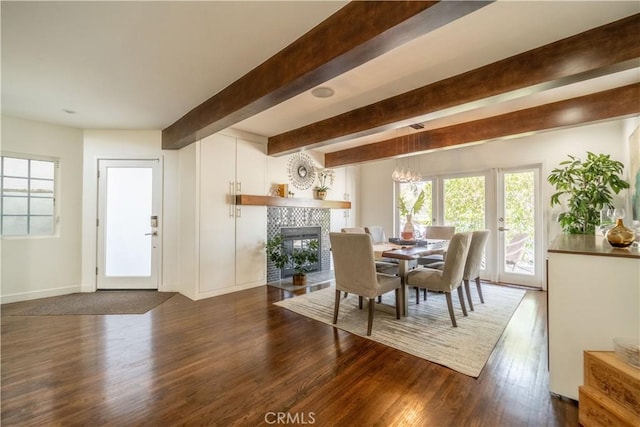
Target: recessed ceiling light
68, 111
322, 92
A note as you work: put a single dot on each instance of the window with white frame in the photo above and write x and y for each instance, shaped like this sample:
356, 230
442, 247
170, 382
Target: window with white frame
27, 205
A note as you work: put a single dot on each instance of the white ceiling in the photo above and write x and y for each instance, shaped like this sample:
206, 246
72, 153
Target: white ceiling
142, 65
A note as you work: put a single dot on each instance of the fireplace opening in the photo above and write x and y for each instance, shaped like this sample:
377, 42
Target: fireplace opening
298, 238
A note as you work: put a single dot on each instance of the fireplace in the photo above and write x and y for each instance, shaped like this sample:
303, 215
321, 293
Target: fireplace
298, 238
307, 224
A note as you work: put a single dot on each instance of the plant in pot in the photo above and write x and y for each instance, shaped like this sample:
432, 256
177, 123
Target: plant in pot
408, 232
586, 187
300, 258
325, 180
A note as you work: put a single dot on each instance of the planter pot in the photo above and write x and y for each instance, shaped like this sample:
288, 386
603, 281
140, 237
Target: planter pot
321, 195
299, 279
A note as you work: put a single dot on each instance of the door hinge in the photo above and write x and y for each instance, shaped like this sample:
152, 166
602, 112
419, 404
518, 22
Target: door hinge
96, 271
98, 173
97, 222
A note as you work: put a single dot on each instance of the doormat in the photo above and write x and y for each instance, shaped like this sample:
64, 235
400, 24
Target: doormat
89, 303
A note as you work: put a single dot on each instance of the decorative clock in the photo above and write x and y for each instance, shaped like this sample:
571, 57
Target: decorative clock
302, 172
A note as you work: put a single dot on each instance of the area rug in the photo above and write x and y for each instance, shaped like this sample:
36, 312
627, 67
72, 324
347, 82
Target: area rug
427, 331
96, 303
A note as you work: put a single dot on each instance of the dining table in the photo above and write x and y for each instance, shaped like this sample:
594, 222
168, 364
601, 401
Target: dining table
405, 253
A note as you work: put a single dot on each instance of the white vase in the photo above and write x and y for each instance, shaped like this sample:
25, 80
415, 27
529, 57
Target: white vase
408, 232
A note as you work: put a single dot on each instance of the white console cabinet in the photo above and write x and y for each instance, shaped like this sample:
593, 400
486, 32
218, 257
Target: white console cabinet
594, 296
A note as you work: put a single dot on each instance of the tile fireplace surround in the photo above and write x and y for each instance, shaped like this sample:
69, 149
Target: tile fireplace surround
299, 217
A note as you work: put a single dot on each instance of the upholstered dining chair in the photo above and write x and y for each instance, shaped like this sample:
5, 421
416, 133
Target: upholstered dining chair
473, 265
436, 232
384, 265
359, 230
355, 272
450, 277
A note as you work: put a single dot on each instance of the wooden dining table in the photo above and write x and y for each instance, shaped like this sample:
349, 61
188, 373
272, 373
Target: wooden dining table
405, 254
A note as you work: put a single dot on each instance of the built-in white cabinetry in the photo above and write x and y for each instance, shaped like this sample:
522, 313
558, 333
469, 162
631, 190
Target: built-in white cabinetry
231, 238
344, 188
594, 296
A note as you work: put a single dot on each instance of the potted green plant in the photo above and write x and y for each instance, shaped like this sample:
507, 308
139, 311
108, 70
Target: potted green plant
408, 232
587, 187
300, 258
325, 180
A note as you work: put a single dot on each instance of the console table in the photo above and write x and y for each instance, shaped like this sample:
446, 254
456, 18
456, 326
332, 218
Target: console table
594, 296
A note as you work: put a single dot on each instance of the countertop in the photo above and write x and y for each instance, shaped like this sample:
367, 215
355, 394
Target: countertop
581, 244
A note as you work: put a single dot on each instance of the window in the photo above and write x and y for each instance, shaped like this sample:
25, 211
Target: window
27, 206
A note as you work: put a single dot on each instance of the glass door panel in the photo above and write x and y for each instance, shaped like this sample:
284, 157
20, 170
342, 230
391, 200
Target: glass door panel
464, 201
129, 203
409, 192
517, 227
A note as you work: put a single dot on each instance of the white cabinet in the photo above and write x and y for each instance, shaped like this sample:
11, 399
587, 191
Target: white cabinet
344, 188
594, 296
231, 238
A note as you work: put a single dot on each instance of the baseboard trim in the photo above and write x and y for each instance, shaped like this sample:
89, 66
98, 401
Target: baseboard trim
44, 293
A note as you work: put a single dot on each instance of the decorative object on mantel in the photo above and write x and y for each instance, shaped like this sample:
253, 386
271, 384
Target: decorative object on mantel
325, 180
302, 172
408, 232
283, 190
587, 187
300, 258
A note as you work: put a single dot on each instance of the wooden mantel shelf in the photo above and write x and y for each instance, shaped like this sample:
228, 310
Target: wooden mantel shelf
249, 200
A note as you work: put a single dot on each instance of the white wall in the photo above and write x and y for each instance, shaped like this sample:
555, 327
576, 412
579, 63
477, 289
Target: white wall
37, 267
547, 149
122, 144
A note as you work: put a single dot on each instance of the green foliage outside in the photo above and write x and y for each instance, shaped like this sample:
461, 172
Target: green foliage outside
464, 202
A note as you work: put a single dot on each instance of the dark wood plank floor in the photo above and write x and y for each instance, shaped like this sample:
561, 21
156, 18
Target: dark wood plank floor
239, 360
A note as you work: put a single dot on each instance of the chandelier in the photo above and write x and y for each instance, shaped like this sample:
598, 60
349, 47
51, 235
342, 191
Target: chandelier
404, 173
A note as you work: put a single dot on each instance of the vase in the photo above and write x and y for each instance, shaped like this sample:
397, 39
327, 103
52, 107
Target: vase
620, 236
408, 232
321, 194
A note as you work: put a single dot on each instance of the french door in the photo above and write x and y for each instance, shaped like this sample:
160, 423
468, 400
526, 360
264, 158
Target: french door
507, 202
129, 203
519, 227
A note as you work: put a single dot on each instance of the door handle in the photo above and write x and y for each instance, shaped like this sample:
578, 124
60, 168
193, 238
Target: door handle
153, 233
502, 229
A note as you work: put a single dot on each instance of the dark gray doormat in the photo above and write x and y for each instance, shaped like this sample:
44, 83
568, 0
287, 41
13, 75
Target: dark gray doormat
96, 303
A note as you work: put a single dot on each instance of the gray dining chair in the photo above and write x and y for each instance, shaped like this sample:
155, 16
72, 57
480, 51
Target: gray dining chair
355, 272
450, 277
473, 265
384, 265
436, 232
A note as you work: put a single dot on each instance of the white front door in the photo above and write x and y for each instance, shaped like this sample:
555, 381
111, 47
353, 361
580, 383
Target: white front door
128, 223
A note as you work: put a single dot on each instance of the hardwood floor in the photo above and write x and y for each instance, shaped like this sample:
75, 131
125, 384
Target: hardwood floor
239, 360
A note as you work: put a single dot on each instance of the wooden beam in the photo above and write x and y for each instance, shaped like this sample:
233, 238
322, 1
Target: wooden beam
355, 34
604, 105
609, 48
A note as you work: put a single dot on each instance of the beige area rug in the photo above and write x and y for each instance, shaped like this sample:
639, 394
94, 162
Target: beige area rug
427, 331
96, 303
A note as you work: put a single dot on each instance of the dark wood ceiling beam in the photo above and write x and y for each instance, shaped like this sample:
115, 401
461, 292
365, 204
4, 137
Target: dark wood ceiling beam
357, 33
604, 105
610, 48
